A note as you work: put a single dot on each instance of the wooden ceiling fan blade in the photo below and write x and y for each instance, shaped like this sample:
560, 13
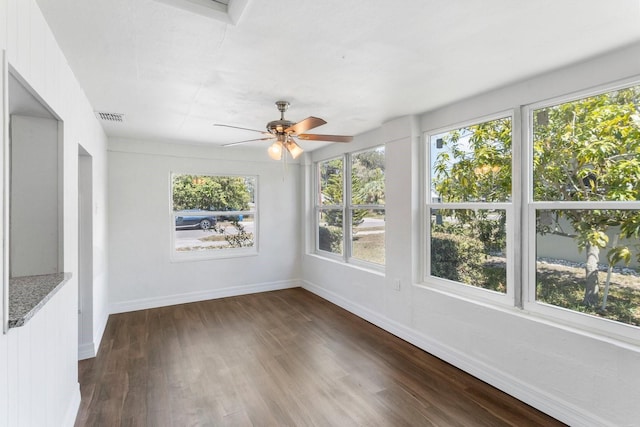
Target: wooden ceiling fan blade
332, 138
238, 127
305, 125
248, 140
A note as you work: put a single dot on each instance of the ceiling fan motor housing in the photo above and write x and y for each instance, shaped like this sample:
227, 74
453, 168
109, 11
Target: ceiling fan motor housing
278, 126
285, 130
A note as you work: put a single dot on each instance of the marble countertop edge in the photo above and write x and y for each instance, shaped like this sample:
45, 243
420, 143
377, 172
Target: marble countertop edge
28, 294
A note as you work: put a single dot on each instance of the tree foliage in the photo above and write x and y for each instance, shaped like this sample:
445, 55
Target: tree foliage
367, 185
589, 150
213, 193
475, 166
585, 150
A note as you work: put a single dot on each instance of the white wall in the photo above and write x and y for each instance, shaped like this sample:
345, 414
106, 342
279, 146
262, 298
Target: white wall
577, 377
141, 273
34, 196
560, 247
38, 362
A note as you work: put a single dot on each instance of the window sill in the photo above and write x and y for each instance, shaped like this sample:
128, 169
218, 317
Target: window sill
556, 317
339, 261
191, 256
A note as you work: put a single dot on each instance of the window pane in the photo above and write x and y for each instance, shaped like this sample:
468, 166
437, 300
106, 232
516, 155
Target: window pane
588, 149
213, 212
331, 182
212, 192
472, 164
226, 231
367, 241
575, 250
367, 177
469, 246
330, 231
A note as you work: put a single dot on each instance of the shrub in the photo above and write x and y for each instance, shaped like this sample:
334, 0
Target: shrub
457, 257
493, 234
330, 239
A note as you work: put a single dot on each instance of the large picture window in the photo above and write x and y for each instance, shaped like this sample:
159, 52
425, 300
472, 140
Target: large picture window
350, 212
469, 205
213, 215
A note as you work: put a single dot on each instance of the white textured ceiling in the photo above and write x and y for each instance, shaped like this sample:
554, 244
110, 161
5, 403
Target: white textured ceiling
174, 73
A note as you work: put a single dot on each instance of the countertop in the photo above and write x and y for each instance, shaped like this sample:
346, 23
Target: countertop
29, 294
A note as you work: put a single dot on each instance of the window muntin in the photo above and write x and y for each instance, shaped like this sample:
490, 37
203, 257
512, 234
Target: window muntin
350, 212
584, 208
213, 215
469, 206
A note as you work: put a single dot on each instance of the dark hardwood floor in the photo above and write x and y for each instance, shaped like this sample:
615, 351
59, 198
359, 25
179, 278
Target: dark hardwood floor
284, 358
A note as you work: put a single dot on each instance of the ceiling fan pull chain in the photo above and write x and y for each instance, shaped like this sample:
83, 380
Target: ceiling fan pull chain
285, 164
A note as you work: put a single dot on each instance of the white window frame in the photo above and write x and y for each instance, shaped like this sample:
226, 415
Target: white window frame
203, 255
347, 208
521, 227
583, 321
350, 207
511, 208
319, 208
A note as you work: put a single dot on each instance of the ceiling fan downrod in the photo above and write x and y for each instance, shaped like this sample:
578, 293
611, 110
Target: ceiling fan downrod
282, 107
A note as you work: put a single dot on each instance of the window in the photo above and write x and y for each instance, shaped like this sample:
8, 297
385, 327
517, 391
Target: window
584, 205
350, 213
213, 215
577, 197
469, 206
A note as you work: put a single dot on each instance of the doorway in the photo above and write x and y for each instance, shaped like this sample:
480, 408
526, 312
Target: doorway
86, 347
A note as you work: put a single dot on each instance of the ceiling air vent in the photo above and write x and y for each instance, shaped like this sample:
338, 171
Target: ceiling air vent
110, 117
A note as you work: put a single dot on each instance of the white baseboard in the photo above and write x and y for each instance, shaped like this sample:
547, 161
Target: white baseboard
98, 333
72, 410
90, 349
155, 302
533, 396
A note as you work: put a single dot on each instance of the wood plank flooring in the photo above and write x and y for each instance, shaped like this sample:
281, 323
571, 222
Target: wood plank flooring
284, 358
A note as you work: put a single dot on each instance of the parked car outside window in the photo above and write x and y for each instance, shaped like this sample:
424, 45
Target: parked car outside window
194, 218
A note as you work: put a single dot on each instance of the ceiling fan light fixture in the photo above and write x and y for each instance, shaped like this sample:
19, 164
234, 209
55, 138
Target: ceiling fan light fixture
284, 131
275, 151
294, 149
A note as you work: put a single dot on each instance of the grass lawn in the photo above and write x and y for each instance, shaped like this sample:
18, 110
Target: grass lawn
369, 247
563, 286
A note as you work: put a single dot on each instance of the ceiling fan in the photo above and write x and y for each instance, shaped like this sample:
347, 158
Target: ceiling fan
284, 132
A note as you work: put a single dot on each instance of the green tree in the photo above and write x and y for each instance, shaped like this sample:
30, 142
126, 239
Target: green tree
367, 184
476, 167
586, 150
216, 193
332, 188
367, 171
589, 150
